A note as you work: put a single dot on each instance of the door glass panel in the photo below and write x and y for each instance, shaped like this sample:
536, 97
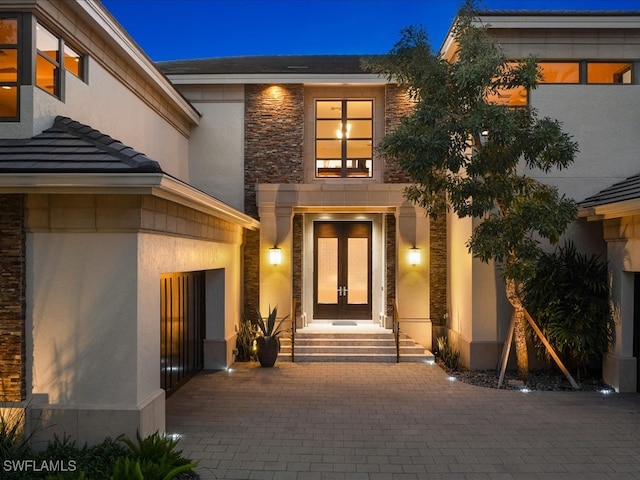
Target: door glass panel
358, 270
327, 270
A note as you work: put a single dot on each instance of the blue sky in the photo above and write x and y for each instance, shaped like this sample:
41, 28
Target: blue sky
180, 29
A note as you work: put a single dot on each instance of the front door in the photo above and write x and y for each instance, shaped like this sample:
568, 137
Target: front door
342, 270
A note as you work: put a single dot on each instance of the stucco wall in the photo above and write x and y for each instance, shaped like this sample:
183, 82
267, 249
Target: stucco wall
216, 155
110, 107
93, 322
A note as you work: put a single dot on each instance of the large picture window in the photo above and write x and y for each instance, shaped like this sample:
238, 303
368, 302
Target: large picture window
344, 138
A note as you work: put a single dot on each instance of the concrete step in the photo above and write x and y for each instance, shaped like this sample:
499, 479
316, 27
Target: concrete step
352, 347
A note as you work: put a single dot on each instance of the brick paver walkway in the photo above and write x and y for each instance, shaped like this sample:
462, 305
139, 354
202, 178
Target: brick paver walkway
398, 422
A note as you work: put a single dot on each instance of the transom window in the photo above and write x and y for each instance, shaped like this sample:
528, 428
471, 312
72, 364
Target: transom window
9, 68
344, 138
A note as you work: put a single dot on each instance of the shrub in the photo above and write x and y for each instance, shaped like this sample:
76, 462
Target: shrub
569, 299
156, 458
450, 357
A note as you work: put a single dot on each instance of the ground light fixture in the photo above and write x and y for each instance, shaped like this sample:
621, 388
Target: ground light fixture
275, 256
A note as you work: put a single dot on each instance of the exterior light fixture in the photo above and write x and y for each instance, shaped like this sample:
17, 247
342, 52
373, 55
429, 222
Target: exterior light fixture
275, 256
414, 256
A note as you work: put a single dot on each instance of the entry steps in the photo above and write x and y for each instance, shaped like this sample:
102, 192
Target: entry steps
349, 346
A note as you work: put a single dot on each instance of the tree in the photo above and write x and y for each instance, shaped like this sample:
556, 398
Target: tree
469, 154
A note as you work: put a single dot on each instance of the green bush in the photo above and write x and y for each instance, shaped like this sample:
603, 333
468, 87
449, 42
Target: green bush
569, 299
156, 457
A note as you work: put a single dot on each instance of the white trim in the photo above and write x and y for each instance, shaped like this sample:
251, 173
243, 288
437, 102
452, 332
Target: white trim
156, 184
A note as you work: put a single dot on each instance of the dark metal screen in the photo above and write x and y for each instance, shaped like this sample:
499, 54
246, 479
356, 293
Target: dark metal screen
182, 327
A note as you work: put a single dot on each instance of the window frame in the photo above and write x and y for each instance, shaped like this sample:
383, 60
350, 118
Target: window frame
19, 47
611, 62
60, 69
344, 139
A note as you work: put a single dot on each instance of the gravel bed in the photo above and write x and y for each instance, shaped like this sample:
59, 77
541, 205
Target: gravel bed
547, 380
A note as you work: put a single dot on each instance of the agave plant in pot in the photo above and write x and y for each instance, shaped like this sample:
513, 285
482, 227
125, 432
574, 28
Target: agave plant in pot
267, 342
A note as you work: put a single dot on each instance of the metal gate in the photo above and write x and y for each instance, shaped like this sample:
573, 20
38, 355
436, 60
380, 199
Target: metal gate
182, 327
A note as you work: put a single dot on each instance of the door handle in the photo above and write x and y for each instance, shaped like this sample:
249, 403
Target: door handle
342, 291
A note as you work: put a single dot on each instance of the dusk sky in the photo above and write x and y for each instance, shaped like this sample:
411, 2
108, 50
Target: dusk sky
179, 29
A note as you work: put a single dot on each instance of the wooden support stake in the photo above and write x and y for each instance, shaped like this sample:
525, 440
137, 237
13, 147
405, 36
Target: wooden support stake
551, 350
507, 349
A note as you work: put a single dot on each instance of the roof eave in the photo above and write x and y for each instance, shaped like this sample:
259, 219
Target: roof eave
156, 184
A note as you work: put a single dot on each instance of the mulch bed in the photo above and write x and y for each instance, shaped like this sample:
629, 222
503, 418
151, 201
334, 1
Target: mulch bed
547, 380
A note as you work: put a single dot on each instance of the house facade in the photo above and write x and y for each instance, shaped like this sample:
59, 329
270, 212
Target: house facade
124, 273
591, 83
119, 278
303, 131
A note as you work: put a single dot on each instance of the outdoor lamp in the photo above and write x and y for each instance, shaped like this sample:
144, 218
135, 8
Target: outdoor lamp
414, 256
275, 256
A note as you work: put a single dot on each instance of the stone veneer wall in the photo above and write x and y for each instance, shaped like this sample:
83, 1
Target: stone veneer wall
390, 230
438, 273
298, 249
12, 298
273, 153
397, 105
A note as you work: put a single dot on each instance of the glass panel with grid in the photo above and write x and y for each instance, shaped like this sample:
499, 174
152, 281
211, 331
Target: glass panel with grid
344, 138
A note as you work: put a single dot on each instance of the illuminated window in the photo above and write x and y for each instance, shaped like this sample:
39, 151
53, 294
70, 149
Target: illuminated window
344, 138
53, 58
8, 68
601, 72
560, 72
511, 97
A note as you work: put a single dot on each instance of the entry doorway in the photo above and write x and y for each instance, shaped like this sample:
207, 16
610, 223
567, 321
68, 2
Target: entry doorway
342, 270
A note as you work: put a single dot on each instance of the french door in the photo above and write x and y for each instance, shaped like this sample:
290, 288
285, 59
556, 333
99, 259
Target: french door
342, 270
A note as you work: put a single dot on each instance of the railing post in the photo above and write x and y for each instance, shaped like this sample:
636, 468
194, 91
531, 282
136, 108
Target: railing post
396, 330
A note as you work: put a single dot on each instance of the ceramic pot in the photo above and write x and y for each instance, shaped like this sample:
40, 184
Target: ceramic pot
268, 348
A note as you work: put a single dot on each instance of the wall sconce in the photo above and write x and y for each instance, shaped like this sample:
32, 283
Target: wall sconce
275, 256
414, 256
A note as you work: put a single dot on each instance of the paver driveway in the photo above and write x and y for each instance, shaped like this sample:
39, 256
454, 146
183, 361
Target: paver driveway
353, 421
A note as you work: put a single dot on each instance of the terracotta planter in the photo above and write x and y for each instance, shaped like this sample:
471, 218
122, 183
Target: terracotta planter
268, 348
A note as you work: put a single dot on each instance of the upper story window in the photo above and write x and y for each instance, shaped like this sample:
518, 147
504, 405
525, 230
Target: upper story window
53, 58
344, 139
9, 35
609, 72
560, 72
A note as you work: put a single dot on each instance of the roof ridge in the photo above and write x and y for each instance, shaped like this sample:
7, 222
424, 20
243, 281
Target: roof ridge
126, 154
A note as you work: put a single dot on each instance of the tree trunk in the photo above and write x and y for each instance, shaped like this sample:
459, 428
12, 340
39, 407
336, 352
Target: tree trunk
519, 333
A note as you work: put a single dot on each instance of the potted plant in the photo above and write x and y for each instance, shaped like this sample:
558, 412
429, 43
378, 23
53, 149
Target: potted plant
267, 342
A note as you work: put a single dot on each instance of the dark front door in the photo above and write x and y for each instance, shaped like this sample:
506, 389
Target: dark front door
342, 270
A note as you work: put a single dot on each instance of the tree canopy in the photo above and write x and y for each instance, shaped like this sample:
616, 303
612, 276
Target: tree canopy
471, 154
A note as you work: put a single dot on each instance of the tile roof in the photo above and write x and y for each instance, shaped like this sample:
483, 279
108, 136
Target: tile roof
71, 147
270, 64
627, 189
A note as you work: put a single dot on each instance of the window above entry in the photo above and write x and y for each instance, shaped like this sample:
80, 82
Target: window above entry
344, 139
